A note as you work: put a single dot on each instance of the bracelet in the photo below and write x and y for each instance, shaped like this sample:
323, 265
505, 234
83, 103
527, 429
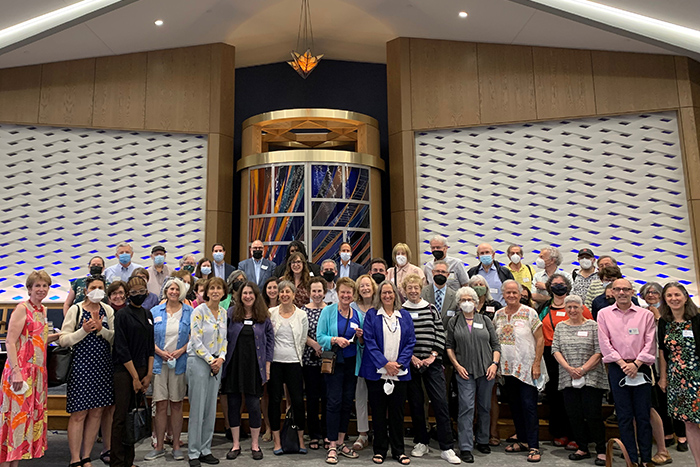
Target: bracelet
635, 364
494, 363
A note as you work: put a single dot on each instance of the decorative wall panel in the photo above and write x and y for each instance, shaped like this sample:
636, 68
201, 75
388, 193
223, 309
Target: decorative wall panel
612, 183
70, 194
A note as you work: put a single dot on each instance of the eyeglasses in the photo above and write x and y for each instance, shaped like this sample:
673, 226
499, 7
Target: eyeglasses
653, 292
622, 289
297, 262
138, 292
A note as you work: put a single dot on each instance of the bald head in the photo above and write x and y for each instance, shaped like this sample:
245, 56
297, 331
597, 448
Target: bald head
484, 249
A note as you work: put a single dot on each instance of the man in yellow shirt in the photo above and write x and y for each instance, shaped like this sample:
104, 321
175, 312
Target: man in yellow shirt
523, 273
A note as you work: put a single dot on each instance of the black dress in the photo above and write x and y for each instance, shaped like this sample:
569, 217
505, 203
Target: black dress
244, 364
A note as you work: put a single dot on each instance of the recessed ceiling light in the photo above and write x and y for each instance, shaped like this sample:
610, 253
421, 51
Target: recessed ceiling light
159, 22
463, 14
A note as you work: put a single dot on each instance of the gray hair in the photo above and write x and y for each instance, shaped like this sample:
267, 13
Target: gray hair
508, 282
555, 254
466, 291
378, 296
335, 267
573, 299
124, 245
479, 278
185, 258
235, 275
180, 284
439, 238
513, 245
441, 261
650, 286
287, 285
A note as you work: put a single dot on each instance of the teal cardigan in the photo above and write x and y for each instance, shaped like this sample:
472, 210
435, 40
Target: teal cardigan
328, 328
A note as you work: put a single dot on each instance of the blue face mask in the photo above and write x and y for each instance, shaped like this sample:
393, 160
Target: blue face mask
486, 260
159, 260
124, 258
206, 270
218, 256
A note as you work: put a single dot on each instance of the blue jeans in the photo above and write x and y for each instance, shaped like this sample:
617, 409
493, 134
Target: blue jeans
340, 393
474, 391
522, 399
632, 404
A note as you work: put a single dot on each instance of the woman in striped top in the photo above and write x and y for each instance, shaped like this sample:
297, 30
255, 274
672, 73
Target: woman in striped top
426, 368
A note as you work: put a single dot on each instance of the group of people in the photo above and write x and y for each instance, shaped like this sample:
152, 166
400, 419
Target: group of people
336, 337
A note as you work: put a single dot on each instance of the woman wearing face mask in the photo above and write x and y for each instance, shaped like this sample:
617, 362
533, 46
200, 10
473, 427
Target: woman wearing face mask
582, 379
474, 350
297, 273
152, 299
89, 328
133, 352
313, 379
204, 269
171, 327
486, 305
427, 369
77, 286
188, 263
389, 341
403, 268
235, 281
553, 312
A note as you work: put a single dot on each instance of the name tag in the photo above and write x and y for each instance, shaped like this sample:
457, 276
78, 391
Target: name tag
452, 275
490, 309
633, 331
355, 326
582, 334
414, 314
478, 326
561, 313
526, 279
264, 267
493, 290
450, 312
158, 319
311, 274
687, 333
150, 322
248, 322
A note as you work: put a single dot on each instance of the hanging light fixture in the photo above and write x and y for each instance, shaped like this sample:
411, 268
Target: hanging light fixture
305, 62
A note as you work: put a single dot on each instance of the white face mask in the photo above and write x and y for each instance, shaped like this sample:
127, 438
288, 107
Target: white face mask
586, 263
515, 259
22, 390
578, 383
388, 387
401, 260
96, 296
467, 306
539, 262
638, 380
345, 256
171, 363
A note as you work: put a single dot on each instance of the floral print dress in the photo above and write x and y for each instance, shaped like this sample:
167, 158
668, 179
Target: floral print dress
683, 373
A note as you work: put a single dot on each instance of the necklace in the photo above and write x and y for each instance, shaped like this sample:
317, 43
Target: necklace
392, 328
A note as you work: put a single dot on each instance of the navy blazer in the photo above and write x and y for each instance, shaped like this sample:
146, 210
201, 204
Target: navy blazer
373, 356
264, 343
356, 270
266, 270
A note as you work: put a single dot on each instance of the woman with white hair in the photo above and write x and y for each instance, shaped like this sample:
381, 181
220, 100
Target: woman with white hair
485, 305
475, 352
171, 329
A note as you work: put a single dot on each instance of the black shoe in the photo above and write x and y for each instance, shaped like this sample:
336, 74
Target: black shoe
209, 459
195, 463
669, 442
257, 455
599, 462
682, 447
483, 448
577, 457
233, 453
467, 457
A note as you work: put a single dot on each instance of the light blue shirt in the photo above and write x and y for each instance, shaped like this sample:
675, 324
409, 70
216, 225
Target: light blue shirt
344, 270
257, 264
492, 281
219, 269
119, 272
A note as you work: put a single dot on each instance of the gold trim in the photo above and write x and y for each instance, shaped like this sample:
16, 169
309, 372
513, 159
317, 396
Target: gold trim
315, 114
311, 155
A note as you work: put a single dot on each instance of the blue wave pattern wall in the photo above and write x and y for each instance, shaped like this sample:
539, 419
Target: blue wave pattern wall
612, 183
69, 194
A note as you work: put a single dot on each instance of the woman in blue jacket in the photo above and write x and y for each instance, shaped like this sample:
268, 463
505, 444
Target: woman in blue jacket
389, 341
340, 329
171, 329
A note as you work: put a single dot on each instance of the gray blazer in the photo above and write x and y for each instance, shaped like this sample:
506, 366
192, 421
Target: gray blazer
266, 270
449, 301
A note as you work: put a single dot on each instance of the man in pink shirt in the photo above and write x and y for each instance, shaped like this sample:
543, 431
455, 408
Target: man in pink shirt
627, 337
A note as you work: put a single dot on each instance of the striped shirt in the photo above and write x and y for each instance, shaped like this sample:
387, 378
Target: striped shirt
427, 324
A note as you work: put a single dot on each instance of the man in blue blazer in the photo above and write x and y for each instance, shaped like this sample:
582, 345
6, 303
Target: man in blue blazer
220, 268
256, 268
346, 267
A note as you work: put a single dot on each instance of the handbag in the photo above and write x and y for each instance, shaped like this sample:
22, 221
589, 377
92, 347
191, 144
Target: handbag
61, 360
289, 435
138, 421
329, 357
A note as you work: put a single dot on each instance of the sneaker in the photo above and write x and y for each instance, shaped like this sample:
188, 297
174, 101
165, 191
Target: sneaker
450, 456
419, 450
153, 455
467, 457
178, 455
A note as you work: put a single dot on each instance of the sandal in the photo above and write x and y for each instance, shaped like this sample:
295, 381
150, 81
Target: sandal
313, 444
512, 438
534, 455
267, 437
516, 447
350, 453
326, 444
493, 441
332, 456
75, 464
106, 457
378, 459
360, 443
87, 460
403, 459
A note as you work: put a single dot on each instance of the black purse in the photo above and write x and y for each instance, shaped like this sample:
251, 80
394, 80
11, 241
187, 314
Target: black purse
138, 421
61, 360
289, 435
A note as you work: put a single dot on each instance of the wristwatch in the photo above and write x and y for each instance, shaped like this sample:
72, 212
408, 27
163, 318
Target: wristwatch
494, 363
434, 354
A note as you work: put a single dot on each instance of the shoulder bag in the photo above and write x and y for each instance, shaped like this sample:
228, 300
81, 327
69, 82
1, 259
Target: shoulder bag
329, 357
61, 359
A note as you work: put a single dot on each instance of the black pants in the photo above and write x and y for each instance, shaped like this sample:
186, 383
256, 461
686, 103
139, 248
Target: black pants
124, 399
633, 404
522, 399
584, 408
315, 390
671, 425
559, 426
379, 402
252, 404
291, 375
340, 387
434, 380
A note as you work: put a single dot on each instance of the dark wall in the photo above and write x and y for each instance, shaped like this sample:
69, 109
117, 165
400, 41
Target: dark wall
358, 87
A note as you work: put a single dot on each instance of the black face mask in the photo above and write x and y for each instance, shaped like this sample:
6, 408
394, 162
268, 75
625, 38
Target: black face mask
525, 301
236, 285
329, 276
559, 289
137, 300
438, 254
440, 279
610, 300
257, 254
95, 270
378, 277
189, 268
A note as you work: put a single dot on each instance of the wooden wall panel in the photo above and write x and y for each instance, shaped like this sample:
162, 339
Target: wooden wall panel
398, 71
220, 172
627, 82
688, 77
690, 141
222, 89
67, 91
218, 230
444, 89
506, 83
120, 91
20, 90
402, 171
563, 82
178, 89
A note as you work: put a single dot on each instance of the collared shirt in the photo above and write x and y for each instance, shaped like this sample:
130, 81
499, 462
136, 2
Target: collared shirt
458, 274
331, 296
220, 269
208, 336
398, 274
524, 276
119, 272
493, 281
442, 298
157, 279
344, 270
543, 277
627, 335
392, 334
257, 264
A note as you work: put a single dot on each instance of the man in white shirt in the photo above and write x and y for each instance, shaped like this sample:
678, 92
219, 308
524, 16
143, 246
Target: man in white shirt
328, 271
123, 269
457, 273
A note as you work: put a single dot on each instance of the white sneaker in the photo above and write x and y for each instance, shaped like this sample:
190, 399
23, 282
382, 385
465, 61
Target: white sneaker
420, 449
450, 457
